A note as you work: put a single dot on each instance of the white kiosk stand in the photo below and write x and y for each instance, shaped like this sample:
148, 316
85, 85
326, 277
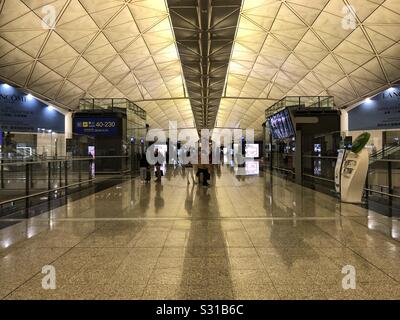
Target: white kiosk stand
338, 169
353, 175
353, 167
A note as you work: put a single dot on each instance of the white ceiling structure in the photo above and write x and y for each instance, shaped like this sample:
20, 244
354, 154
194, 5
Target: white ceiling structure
309, 47
127, 49
98, 48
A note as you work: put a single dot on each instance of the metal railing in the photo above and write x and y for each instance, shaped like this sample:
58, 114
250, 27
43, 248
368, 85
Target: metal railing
383, 175
24, 184
26, 180
385, 152
297, 101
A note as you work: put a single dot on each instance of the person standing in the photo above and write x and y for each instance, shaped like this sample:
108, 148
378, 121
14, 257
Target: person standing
143, 168
189, 169
160, 160
203, 168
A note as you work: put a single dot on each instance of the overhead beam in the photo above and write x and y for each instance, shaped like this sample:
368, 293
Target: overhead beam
208, 97
204, 31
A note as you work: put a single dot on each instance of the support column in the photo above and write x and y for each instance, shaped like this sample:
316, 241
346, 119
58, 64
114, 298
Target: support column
298, 158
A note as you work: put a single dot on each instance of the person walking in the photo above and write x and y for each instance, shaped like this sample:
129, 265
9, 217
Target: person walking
189, 169
160, 160
203, 169
144, 165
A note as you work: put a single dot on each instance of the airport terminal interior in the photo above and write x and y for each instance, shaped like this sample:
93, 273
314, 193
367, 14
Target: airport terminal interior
200, 149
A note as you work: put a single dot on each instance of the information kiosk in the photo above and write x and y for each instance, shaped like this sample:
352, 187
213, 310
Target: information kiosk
354, 170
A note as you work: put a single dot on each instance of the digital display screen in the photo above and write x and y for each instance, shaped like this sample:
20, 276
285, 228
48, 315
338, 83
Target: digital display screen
348, 142
252, 150
281, 125
252, 168
97, 126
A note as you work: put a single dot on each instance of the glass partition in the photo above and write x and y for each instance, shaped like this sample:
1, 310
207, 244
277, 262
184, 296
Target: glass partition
43, 145
300, 101
26, 183
136, 116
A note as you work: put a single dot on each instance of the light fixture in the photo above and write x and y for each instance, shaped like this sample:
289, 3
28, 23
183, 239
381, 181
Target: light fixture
6, 86
29, 96
50, 108
368, 100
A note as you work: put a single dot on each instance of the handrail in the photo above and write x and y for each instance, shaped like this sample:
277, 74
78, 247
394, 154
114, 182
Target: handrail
316, 177
383, 193
58, 160
287, 170
384, 149
43, 161
387, 160
44, 192
319, 157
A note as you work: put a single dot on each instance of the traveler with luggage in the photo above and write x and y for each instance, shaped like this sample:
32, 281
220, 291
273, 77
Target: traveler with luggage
160, 160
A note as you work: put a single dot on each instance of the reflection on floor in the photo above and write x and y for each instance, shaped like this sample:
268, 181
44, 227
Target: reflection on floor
245, 237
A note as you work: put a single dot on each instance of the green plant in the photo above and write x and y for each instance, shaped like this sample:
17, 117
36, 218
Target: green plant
360, 142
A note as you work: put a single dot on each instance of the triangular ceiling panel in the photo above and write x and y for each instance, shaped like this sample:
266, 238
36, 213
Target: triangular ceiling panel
128, 49
310, 49
94, 45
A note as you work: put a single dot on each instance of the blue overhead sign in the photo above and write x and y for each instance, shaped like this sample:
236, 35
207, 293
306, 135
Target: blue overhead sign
23, 113
381, 112
97, 126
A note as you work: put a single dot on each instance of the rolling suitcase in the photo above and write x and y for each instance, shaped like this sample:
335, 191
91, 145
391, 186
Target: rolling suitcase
148, 174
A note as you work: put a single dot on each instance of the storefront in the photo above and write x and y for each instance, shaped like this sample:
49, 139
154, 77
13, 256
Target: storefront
379, 115
29, 127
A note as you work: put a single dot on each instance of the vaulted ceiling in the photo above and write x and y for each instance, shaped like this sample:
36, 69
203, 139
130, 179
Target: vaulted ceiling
98, 48
205, 31
344, 48
201, 63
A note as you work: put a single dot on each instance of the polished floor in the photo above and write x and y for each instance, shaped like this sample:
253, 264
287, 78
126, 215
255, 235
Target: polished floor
245, 237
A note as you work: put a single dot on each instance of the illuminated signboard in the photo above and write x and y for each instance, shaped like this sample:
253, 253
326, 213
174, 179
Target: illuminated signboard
252, 150
20, 112
381, 112
97, 126
252, 168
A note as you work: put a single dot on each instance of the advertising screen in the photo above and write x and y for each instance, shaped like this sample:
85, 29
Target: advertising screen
381, 112
97, 126
22, 113
252, 150
252, 168
281, 125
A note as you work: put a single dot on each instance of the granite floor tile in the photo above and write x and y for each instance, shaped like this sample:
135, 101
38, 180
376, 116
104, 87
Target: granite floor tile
238, 239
